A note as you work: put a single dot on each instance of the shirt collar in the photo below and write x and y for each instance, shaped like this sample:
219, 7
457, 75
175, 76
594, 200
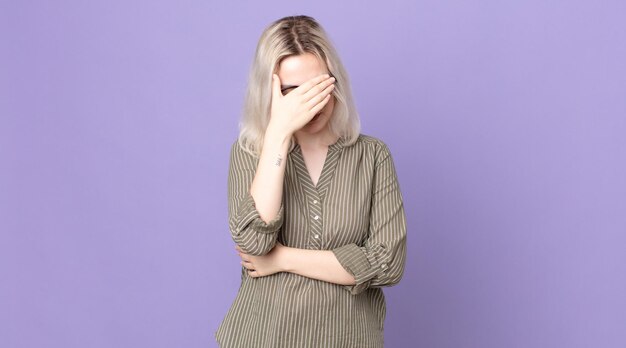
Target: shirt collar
332, 147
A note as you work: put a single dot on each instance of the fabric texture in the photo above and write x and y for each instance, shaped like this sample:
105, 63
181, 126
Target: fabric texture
356, 210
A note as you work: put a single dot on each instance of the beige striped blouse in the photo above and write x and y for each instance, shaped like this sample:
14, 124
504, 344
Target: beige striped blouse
356, 210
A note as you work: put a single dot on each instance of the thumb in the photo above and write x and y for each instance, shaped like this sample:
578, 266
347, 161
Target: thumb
276, 85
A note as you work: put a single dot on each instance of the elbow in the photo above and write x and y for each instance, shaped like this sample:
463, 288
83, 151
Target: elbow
386, 279
389, 280
392, 275
399, 266
254, 236
394, 279
261, 249
396, 272
257, 244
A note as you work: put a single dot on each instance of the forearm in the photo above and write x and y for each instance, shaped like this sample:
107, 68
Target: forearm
316, 264
267, 186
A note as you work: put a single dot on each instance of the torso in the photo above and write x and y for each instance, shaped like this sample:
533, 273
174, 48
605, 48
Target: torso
310, 312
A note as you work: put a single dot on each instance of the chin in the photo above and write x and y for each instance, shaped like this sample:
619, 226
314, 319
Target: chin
318, 125
315, 127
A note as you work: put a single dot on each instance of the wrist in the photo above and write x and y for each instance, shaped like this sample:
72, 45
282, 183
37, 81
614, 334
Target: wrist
275, 135
286, 259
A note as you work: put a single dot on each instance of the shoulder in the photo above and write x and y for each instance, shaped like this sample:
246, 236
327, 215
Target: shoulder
238, 149
235, 147
374, 146
241, 156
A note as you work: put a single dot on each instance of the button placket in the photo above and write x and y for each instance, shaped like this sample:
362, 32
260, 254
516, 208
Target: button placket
316, 221
314, 193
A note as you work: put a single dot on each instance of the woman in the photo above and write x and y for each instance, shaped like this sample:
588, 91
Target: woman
315, 208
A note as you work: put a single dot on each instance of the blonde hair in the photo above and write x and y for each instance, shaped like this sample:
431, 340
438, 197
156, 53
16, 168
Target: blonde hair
288, 36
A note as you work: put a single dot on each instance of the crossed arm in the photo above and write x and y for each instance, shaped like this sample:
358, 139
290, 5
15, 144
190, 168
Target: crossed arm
316, 264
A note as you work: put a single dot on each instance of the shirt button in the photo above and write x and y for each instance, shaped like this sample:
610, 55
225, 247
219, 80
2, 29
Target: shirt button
317, 236
315, 201
316, 217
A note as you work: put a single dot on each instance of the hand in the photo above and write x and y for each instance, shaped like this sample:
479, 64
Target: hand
293, 111
264, 265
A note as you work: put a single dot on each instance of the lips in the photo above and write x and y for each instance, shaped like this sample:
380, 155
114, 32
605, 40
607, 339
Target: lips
315, 118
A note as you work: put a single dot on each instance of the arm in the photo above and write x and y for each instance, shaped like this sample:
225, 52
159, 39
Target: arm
255, 189
381, 260
317, 264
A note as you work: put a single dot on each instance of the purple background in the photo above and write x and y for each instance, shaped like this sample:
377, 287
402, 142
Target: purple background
507, 122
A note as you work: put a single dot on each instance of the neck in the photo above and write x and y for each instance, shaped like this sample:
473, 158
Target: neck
315, 141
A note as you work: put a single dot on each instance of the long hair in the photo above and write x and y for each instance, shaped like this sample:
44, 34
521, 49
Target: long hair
288, 36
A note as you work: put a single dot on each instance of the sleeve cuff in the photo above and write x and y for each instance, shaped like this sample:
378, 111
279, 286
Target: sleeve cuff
248, 217
356, 262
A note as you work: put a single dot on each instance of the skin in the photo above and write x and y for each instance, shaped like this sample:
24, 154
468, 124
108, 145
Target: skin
293, 113
315, 136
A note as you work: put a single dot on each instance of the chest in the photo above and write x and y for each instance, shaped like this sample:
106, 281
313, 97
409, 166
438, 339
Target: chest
314, 162
333, 212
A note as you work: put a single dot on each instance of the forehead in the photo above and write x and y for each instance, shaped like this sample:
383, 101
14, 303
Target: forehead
295, 70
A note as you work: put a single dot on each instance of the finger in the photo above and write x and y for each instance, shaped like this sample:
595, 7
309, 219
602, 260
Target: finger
305, 87
322, 98
276, 86
319, 89
320, 105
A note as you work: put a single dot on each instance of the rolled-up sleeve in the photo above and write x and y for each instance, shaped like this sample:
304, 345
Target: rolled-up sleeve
381, 260
253, 235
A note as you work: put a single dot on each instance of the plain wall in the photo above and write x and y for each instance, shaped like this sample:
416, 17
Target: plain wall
506, 120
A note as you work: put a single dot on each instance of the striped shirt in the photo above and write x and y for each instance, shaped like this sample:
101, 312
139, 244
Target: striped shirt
356, 210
